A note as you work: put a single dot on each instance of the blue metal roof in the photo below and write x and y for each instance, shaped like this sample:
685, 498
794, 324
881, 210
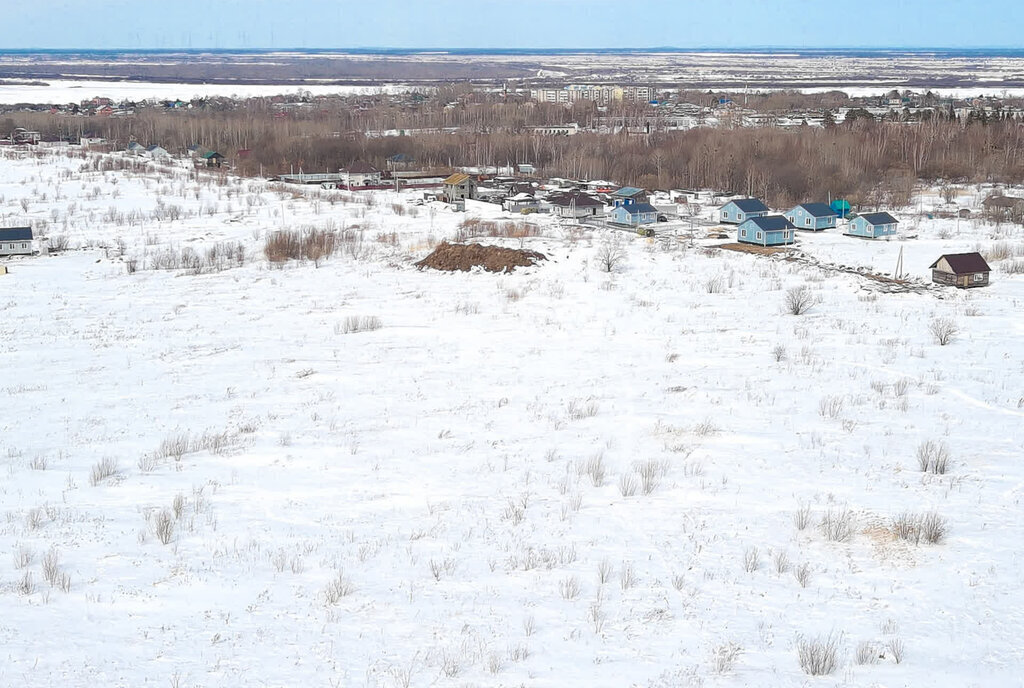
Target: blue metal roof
627, 191
771, 223
879, 218
818, 209
16, 234
750, 205
637, 208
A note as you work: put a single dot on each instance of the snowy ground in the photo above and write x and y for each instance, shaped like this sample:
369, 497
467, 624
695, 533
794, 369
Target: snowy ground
440, 501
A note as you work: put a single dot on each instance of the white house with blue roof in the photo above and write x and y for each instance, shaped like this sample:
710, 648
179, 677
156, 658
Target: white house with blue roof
872, 225
17, 241
813, 216
767, 230
634, 214
738, 211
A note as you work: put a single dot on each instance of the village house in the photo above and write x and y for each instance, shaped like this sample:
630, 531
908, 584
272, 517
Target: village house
738, 211
634, 214
212, 158
575, 205
766, 230
629, 193
135, 148
813, 216
1004, 207
962, 270
18, 241
360, 175
460, 186
872, 225
157, 152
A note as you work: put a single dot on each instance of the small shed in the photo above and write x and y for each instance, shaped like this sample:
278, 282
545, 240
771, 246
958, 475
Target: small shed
212, 158
769, 230
962, 270
739, 211
814, 217
872, 225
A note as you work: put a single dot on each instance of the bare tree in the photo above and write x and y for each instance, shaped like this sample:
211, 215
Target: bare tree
944, 330
610, 256
799, 300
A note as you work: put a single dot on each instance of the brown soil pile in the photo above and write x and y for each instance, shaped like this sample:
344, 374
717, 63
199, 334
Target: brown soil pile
451, 257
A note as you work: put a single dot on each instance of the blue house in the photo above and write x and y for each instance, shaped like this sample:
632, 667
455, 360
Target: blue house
736, 212
634, 214
769, 230
872, 225
813, 216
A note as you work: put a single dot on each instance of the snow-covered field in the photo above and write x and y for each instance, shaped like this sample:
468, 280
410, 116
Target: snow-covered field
557, 477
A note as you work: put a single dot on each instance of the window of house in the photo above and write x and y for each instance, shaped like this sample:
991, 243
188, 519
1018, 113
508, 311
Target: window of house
759, 235
725, 213
807, 221
979, 277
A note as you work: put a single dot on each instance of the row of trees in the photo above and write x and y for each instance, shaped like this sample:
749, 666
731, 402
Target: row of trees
868, 161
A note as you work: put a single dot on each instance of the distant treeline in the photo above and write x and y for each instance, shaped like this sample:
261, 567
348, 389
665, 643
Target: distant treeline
869, 161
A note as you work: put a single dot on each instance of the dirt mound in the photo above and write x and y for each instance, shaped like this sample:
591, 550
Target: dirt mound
451, 257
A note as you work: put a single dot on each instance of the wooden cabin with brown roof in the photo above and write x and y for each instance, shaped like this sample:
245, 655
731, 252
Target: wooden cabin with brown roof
962, 270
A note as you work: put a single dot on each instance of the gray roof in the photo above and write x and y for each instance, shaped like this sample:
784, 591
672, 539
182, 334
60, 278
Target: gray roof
360, 167
16, 234
749, 205
771, 223
567, 199
879, 218
818, 209
637, 208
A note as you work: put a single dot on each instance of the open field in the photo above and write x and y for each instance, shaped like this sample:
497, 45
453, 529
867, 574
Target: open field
219, 470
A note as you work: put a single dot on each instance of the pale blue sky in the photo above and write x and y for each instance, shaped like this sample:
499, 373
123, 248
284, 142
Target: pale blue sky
510, 23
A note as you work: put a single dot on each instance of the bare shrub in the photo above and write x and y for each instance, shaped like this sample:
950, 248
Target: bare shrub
933, 457
802, 517
105, 468
751, 559
39, 462
50, 567
627, 575
578, 409
26, 586
944, 330
338, 587
780, 561
837, 525
802, 573
779, 353
819, 656
163, 526
723, 657
651, 472
830, 406
595, 468
569, 588
23, 556
301, 244
358, 323
628, 484
714, 285
604, 571
929, 527
799, 300
866, 653
896, 649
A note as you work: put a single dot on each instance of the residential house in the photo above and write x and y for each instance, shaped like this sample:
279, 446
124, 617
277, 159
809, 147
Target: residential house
521, 202
460, 186
629, 193
157, 152
962, 270
872, 225
135, 148
360, 175
738, 211
766, 230
813, 216
634, 214
575, 204
1005, 207
526, 168
212, 158
17, 241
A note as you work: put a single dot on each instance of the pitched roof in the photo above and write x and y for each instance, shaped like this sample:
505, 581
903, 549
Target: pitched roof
817, 209
749, 205
628, 192
16, 234
457, 178
964, 263
360, 167
637, 208
573, 197
211, 154
771, 223
879, 218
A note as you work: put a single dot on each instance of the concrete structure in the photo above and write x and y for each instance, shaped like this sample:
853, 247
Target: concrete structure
460, 186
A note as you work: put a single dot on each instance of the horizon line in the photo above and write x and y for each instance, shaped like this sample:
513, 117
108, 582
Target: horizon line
528, 51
